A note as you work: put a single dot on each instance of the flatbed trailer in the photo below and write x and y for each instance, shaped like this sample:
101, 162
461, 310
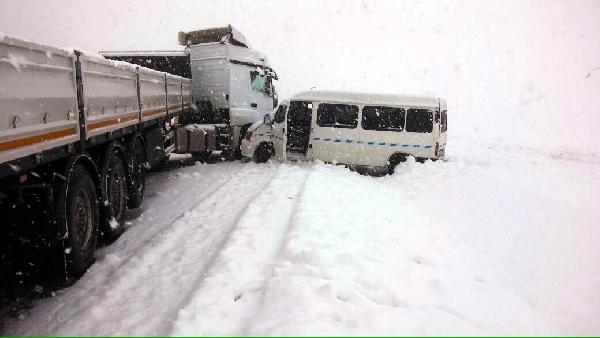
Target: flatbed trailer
77, 133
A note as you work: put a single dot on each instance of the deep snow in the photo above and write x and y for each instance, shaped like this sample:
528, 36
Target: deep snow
496, 240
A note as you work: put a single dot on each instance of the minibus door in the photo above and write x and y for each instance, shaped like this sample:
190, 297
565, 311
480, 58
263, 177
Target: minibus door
278, 131
299, 119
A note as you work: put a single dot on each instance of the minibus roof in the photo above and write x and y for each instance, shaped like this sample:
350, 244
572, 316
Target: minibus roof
368, 98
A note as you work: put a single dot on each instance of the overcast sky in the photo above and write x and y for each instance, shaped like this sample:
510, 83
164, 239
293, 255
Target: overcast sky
537, 58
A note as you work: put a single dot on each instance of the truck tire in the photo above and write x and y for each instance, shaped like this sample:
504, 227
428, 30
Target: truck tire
262, 153
77, 207
114, 183
137, 175
202, 157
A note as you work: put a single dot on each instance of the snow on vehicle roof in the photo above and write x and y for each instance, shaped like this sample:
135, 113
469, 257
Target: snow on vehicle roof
70, 51
369, 98
144, 53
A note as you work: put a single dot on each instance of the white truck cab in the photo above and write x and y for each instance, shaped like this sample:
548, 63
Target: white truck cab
358, 129
232, 84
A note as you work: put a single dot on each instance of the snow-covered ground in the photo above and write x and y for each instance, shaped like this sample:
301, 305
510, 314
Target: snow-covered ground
496, 240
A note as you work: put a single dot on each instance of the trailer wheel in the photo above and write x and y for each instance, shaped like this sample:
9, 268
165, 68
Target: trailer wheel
115, 198
137, 175
262, 153
202, 157
77, 206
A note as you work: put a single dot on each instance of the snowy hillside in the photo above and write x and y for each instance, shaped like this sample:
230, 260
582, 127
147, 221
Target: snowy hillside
499, 240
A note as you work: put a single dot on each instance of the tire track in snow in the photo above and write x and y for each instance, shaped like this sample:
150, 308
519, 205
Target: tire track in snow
233, 290
152, 283
165, 219
281, 248
166, 226
214, 255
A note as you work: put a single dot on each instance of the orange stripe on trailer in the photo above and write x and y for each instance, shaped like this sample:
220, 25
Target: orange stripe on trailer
177, 106
27, 141
154, 112
111, 122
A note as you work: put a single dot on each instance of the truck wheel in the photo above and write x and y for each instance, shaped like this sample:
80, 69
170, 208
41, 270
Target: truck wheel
115, 199
262, 153
394, 161
203, 156
137, 175
77, 206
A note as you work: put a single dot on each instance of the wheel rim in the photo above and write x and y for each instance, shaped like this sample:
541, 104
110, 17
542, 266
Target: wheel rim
117, 194
83, 218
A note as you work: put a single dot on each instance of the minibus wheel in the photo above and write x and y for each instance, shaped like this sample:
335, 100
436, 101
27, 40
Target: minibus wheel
394, 161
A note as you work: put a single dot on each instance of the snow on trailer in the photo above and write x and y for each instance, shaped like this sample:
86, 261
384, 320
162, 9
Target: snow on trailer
78, 133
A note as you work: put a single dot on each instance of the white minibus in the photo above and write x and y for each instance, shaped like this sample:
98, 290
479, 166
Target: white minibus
354, 129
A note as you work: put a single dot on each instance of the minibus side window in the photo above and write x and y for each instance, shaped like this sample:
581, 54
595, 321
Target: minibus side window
444, 121
419, 120
382, 118
325, 116
337, 115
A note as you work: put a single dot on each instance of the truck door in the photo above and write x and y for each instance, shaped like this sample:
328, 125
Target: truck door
278, 131
260, 95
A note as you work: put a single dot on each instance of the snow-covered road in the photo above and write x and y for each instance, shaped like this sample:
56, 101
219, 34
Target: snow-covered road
501, 240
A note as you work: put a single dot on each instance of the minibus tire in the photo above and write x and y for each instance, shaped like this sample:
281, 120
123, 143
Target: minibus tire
393, 162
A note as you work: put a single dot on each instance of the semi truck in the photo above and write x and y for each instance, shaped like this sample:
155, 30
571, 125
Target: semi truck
79, 131
77, 134
232, 86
